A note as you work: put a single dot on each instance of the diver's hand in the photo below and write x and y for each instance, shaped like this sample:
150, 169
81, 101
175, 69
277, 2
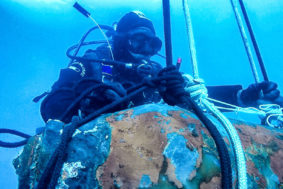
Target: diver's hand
195, 87
114, 92
258, 93
102, 96
172, 87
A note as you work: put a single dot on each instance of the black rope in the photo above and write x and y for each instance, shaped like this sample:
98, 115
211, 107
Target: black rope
18, 133
14, 144
258, 54
51, 173
61, 155
78, 100
225, 160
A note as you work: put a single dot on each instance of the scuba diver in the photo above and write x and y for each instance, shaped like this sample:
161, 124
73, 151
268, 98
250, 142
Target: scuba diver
135, 42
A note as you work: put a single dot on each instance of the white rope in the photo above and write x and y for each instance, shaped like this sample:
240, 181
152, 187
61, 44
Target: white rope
236, 143
249, 110
274, 115
278, 120
109, 46
190, 35
271, 112
232, 133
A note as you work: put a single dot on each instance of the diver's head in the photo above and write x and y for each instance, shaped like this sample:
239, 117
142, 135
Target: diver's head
136, 39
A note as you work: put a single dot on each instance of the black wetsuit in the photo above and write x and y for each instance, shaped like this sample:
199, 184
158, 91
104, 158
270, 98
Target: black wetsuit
67, 88
69, 85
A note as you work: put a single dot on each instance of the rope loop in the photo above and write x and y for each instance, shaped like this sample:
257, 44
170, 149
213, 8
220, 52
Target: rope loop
14, 144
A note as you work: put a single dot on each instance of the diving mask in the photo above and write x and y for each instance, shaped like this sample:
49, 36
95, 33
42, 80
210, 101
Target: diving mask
143, 41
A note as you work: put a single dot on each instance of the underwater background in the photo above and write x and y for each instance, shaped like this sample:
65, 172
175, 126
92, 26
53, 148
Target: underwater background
35, 34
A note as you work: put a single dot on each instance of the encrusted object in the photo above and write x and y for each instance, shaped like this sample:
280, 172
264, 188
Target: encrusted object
150, 146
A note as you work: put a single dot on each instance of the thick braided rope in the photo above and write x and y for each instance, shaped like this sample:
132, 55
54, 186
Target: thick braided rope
225, 160
236, 143
61, 155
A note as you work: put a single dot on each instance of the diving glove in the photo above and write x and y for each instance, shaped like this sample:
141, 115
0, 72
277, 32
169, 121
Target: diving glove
102, 96
258, 92
171, 88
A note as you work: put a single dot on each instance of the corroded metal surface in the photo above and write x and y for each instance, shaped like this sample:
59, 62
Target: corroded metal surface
151, 146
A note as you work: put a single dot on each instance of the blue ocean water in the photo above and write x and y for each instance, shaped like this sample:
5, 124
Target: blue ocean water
34, 36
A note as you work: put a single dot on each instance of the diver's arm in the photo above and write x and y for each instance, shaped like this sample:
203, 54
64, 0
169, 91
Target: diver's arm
70, 75
56, 103
62, 94
65, 89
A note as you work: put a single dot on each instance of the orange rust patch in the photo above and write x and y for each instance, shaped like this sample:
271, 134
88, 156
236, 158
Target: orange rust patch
136, 149
258, 134
268, 138
33, 144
